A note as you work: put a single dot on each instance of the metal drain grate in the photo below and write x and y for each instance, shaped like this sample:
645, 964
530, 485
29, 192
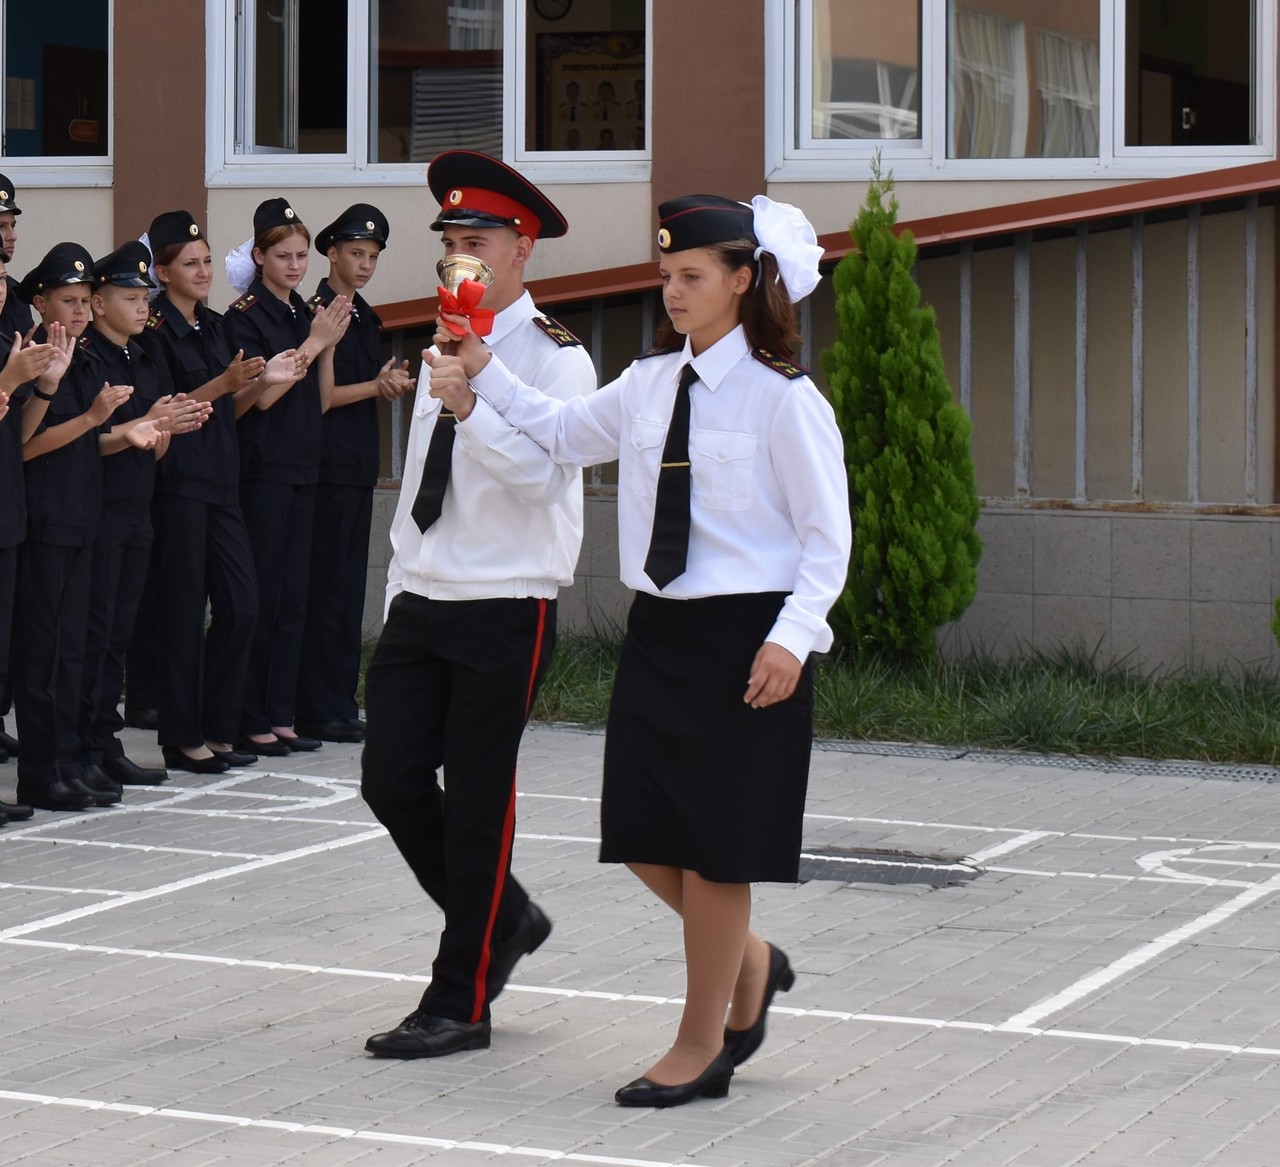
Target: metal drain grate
859, 865
1222, 772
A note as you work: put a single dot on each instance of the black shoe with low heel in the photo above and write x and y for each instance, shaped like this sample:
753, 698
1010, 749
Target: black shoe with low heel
713, 1082
176, 759
742, 1043
423, 1035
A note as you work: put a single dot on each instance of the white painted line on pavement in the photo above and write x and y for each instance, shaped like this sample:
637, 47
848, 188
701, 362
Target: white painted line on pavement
70, 891
334, 1132
182, 884
1145, 953
62, 841
562, 993
1026, 839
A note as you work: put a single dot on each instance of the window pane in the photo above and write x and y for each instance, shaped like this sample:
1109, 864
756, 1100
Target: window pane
292, 74
1022, 79
865, 71
437, 78
1188, 73
55, 79
585, 75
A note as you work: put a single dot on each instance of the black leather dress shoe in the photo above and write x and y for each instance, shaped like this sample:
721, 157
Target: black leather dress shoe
421, 1035
298, 744
275, 749
175, 759
142, 718
9, 744
16, 812
106, 791
533, 929
128, 773
742, 1043
235, 757
330, 731
713, 1082
56, 794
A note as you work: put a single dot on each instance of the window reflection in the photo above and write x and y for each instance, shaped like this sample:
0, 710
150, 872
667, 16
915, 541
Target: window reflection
866, 69
1022, 79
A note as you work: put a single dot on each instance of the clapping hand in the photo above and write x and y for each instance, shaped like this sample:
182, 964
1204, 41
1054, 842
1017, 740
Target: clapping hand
394, 380
108, 400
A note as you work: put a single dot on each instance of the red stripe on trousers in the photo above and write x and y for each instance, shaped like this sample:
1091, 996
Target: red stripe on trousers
508, 834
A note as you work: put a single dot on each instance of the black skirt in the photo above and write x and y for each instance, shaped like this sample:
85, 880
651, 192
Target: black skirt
693, 776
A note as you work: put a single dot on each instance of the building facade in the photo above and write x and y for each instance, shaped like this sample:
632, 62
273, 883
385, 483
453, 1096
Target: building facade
1117, 351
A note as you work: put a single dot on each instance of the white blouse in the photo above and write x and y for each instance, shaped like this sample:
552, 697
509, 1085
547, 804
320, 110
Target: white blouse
769, 502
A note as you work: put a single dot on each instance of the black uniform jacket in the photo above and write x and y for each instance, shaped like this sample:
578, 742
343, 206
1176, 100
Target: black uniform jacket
64, 487
204, 465
283, 443
13, 489
351, 432
128, 477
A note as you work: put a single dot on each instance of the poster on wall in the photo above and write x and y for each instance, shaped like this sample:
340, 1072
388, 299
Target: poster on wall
591, 91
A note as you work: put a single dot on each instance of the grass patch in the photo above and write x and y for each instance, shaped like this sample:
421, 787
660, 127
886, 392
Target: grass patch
1064, 702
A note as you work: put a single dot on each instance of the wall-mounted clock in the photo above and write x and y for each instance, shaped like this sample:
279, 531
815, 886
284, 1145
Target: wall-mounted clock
552, 9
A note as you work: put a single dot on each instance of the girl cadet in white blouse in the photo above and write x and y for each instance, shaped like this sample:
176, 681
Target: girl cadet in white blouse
734, 531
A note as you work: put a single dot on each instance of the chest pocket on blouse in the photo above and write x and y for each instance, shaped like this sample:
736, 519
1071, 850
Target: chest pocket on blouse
647, 440
723, 469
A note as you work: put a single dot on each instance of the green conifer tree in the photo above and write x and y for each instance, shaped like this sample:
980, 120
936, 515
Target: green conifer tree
912, 492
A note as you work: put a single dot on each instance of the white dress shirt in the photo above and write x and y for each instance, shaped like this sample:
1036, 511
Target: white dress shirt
769, 496
511, 523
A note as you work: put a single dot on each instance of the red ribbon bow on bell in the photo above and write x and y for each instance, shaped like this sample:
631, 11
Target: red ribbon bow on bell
466, 302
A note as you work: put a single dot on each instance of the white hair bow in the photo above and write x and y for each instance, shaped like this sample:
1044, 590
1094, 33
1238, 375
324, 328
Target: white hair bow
241, 269
789, 237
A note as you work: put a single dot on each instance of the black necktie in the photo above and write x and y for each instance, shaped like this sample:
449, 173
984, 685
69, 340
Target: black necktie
435, 472
669, 545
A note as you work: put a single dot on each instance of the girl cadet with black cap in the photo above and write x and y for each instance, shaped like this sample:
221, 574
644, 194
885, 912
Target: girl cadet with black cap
122, 546
63, 456
330, 668
205, 557
733, 528
281, 445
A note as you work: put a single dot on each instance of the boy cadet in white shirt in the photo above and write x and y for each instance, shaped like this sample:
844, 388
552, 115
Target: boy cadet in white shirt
486, 531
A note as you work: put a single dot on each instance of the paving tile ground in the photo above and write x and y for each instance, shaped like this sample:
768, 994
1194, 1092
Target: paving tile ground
189, 979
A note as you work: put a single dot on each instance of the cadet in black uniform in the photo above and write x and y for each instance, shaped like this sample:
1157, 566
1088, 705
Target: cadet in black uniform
20, 365
64, 503
204, 547
281, 443
15, 317
122, 548
331, 648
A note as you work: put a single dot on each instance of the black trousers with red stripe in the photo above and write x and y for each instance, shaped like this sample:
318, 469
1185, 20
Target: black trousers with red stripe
451, 685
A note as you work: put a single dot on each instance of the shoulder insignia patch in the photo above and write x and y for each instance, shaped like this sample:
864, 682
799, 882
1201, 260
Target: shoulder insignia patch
779, 364
154, 321
247, 301
557, 331
653, 352
315, 303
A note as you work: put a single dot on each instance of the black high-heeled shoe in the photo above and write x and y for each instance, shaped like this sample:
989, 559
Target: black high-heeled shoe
713, 1082
742, 1043
176, 759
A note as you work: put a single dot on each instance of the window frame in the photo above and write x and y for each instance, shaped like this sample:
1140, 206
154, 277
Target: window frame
62, 170
788, 102
226, 168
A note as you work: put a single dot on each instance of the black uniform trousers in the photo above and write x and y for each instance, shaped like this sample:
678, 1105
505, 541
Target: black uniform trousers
48, 659
8, 596
121, 556
451, 684
204, 553
330, 669
279, 516
142, 666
